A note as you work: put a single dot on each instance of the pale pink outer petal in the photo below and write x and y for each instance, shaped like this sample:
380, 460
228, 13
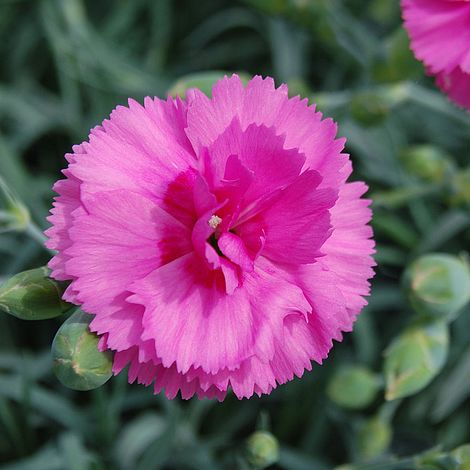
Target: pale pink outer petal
195, 324
348, 252
121, 237
440, 38
141, 149
439, 31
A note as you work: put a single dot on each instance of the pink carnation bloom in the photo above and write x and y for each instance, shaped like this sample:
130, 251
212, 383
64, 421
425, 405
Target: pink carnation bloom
440, 37
215, 241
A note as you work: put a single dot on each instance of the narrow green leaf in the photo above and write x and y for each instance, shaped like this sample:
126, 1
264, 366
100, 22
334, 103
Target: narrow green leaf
455, 389
137, 436
47, 458
44, 402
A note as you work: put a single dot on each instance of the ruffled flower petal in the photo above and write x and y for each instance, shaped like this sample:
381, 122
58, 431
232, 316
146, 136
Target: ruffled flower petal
440, 38
215, 241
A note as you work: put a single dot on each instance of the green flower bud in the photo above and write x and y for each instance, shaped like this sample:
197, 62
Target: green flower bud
32, 295
13, 214
458, 459
202, 80
427, 163
460, 188
77, 362
297, 86
462, 457
438, 285
353, 387
262, 449
369, 109
373, 438
414, 358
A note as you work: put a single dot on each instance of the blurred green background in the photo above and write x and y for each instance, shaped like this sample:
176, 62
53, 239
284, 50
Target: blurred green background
65, 64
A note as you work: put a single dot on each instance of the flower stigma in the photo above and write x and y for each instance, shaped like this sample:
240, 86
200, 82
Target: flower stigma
214, 221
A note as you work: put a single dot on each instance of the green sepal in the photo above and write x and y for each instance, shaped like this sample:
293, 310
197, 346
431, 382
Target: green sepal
414, 358
438, 285
353, 387
33, 295
262, 449
427, 163
77, 361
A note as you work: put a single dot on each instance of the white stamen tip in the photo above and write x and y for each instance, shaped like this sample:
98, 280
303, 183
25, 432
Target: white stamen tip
214, 221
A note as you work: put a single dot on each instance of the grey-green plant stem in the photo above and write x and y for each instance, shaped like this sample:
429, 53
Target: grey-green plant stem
37, 234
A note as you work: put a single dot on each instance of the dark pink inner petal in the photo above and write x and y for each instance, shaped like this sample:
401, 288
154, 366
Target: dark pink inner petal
296, 224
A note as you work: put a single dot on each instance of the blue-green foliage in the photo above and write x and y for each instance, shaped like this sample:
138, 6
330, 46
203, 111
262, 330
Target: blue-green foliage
404, 375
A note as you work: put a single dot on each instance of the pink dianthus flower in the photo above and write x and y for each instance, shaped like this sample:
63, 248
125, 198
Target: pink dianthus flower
440, 37
215, 241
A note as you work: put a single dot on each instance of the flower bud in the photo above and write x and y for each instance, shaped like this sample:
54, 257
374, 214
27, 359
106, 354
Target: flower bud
353, 387
460, 188
77, 361
13, 214
462, 457
262, 449
414, 358
438, 285
436, 459
32, 295
369, 109
426, 162
204, 81
373, 438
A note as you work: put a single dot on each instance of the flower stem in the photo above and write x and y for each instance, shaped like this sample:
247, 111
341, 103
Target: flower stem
36, 234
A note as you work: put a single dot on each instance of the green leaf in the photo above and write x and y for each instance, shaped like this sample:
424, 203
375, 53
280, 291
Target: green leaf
78, 363
293, 459
353, 387
74, 453
438, 285
414, 358
137, 436
47, 458
369, 108
32, 295
455, 389
44, 402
